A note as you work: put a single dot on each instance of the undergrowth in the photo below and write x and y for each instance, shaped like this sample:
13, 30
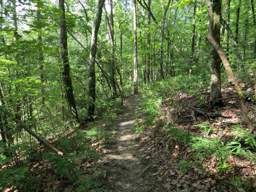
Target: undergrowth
241, 144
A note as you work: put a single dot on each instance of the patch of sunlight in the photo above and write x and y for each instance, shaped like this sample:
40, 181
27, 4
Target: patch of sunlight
123, 156
125, 123
127, 137
93, 132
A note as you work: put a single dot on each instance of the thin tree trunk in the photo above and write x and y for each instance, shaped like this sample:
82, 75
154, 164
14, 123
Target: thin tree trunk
40, 50
92, 59
18, 112
237, 21
245, 38
67, 81
228, 32
135, 51
2, 20
193, 45
3, 120
112, 66
254, 23
215, 94
162, 39
121, 57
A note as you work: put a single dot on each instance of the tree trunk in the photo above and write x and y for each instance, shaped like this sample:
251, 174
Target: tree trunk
231, 77
18, 112
67, 81
40, 49
193, 45
228, 31
121, 57
162, 39
238, 20
135, 51
254, 23
215, 94
245, 37
148, 63
92, 59
112, 66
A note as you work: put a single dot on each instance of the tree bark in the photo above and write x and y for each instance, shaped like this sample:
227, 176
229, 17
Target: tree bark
67, 81
231, 77
135, 51
18, 110
245, 35
40, 49
228, 31
254, 23
215, 93
193, 45
112, 66
163, 24
92, 59
238, 20
148, 59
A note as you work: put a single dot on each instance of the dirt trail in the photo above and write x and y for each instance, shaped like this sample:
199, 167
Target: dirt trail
126, 170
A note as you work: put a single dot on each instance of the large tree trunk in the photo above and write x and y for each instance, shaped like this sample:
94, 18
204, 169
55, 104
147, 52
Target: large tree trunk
135, 47
68, 87
230, 75
92, 59
215, 94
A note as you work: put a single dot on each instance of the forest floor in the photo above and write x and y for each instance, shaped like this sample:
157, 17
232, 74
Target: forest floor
151, 144
152, 160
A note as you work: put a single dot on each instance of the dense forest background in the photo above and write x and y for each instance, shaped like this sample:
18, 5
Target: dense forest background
65, 65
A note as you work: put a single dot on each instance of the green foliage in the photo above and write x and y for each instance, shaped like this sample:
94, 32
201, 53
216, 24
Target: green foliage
184, 165
179, 134
205, 127
14, 176
138, 128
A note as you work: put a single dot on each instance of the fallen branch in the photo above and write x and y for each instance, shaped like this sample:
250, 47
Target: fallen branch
44, 141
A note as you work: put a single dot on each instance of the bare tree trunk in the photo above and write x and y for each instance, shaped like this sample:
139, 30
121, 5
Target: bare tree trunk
215, 94
92, 59
135, 57
67, 81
